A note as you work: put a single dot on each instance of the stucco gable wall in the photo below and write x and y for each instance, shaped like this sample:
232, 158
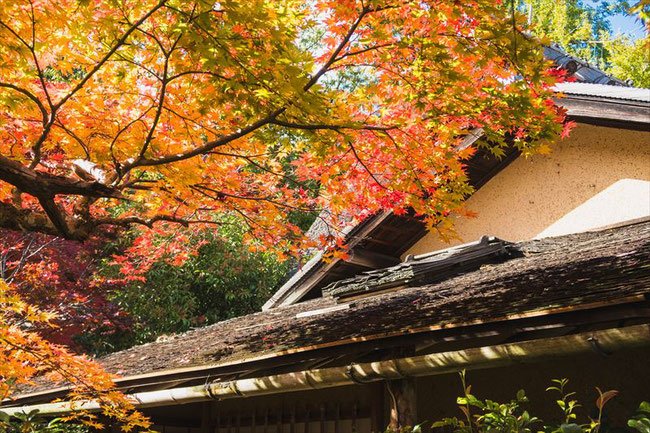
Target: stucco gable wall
596, 177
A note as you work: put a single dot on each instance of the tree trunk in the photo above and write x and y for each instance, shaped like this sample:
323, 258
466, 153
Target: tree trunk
402, 398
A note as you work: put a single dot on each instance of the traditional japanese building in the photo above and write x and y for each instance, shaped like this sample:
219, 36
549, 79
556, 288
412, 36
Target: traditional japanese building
551, 280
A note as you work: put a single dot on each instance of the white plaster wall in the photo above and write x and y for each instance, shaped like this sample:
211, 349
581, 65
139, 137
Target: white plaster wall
597, 177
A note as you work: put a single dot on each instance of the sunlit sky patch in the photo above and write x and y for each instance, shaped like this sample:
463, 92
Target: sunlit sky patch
627, 25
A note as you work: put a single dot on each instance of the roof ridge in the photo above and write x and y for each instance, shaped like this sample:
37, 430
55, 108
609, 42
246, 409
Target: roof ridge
580, 68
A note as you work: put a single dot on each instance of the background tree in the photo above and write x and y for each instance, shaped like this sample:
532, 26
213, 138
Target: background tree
221, 281
583, 29
100, 309
55, 274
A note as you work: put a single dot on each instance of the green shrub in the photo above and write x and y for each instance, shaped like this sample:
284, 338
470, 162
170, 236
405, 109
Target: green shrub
223, 280
486, 416
641, 421
32, 423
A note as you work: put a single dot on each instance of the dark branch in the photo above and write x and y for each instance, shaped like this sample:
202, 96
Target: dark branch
56, 216
149, 222
41, 184
31, 96
338, 49
364, 50
356, 155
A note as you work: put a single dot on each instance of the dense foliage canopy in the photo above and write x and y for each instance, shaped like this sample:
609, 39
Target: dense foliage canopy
55, 274
116, 113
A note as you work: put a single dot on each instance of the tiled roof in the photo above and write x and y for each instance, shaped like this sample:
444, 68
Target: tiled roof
604, 91
578, 68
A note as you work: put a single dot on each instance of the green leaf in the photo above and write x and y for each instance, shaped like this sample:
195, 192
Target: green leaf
639, 425
644, 407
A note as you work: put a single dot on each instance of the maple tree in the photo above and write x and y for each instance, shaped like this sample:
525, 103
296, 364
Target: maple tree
145, 115
55, 274
24, 356
117, 113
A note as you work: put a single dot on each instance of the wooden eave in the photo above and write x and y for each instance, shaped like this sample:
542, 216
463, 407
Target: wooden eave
541, 324
614, 113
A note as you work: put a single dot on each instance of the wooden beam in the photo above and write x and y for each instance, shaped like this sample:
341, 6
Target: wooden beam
595, 108
291, 293
370, 259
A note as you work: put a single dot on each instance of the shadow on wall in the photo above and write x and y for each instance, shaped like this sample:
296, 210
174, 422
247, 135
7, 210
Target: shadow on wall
624, 200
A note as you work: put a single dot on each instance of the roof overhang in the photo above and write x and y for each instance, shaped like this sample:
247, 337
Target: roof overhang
602, 105
605, 341
602, 287
607, 112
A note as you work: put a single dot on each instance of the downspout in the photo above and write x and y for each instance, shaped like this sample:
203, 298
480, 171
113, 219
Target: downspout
604, 342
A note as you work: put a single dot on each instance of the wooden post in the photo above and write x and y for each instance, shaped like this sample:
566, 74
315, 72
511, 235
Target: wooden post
207, 425
402, 399
323, 422
266, 420
307, 419
377, 419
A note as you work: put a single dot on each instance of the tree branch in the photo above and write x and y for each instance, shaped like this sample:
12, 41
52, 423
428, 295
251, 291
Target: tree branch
210, 145
149, 222
14, 218
205, 147
108, 55
31, 96
41, 184
356, 155
156, 118
55, 214
364, 50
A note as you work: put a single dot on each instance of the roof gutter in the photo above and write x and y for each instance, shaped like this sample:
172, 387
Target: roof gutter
603, 342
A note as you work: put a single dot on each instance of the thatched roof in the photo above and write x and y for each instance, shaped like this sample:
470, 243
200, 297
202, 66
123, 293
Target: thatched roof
561, 285
568, 272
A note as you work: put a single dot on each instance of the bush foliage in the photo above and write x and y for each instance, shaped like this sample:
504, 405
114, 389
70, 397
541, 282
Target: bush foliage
223, 280
486, 416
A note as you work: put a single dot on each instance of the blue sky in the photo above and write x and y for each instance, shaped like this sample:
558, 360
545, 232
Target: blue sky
627, 25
